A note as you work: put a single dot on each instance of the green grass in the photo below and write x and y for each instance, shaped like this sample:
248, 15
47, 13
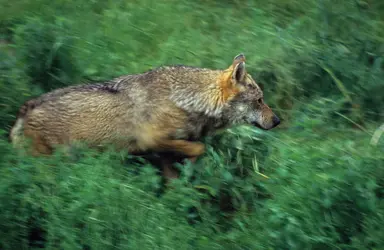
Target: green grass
316, 182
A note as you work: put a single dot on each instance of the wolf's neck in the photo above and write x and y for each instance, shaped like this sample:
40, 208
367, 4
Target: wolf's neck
198, 91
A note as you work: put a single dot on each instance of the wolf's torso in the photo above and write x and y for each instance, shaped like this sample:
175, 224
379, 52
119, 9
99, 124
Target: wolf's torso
127, 111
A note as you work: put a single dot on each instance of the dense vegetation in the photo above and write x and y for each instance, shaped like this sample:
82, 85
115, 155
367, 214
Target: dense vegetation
316, 182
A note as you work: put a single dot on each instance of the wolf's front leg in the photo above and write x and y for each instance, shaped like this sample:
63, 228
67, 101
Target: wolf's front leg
191, 150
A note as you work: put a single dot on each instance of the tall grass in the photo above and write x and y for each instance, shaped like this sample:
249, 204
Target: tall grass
316, 182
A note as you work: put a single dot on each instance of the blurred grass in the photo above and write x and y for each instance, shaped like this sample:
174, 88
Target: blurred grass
315, 182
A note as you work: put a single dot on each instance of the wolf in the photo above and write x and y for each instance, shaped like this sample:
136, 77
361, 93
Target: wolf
166, 109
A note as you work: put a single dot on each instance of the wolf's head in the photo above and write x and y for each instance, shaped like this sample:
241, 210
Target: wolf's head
246, 105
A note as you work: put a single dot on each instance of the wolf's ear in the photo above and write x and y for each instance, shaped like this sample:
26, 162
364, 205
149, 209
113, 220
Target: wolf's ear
238, 66
229, 79
239, 58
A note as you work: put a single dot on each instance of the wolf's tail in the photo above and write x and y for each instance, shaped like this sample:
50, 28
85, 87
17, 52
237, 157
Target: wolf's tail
16, 133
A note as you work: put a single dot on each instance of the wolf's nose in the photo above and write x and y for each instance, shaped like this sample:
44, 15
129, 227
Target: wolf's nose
275, 120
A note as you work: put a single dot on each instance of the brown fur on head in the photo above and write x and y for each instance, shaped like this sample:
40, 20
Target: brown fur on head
245, 103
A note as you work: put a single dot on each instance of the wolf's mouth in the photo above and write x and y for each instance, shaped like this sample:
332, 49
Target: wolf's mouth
258, 126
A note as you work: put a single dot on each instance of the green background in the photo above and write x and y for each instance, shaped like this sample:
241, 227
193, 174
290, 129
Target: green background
315, 182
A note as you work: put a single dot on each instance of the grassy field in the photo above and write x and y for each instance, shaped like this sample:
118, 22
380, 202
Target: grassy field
316, 182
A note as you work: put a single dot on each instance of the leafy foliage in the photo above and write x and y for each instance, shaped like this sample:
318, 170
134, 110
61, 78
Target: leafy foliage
314, 183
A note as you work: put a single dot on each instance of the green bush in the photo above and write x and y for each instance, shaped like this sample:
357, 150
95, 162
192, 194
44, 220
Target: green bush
323, 194
92, 203
315, 182
46, 52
